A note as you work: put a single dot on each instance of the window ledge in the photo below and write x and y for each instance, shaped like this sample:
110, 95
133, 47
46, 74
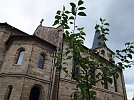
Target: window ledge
16, 64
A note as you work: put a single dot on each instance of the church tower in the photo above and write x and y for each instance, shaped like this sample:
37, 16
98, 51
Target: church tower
118, 84
26, 63
27, 69
99, 44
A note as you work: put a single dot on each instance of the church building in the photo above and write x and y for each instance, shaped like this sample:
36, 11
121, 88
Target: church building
27, 69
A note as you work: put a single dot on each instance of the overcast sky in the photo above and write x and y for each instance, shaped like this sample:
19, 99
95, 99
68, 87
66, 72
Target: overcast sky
27, 14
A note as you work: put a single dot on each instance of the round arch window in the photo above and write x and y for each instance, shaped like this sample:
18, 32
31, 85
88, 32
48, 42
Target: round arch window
34, 94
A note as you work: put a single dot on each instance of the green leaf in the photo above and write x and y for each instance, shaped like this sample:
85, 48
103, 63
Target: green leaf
67, 52
83, 33
66, 26
97, 31
57, 17
71, 22
67, 12
130, 56
107, 24
81, 8
100, 19
106, 29
103, 52
64, 20
97, 26
131, 46
59, 68
71, 17
55, 22
93, 92
82, 14
127, 43
72, 4
127, 61
67, 33
116, 75
69, 57
80, 29
58, 12
82, 37
110, 80
120, 64
102, 82
59, 30
73, 10
80, 2
65, 70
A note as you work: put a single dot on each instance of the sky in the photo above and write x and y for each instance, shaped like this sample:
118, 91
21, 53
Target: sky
27, 14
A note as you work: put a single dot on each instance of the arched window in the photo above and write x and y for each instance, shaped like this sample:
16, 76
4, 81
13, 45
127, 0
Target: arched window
20, 57
34, 94
92, 72
8, 92
115, 84
105, 80
75, 70
41, 61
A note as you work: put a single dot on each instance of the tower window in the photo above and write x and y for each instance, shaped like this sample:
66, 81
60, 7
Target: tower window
8, 92
105, 81
115, 84
41, 61
75, 69
92, 71
20, 57
34, 94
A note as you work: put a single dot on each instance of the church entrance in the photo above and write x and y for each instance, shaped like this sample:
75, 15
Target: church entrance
34, 94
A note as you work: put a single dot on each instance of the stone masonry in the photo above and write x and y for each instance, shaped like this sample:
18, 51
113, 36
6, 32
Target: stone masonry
22, 81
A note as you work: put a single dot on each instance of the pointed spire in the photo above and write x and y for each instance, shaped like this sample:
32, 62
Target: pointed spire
96, 41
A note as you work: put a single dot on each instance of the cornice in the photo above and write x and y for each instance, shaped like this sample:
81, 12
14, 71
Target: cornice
95, 88
24, 76
28, 38
107, 91
67, 80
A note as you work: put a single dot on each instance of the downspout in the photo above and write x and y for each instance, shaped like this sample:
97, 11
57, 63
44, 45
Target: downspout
56, 80
59, 72
51, 78
123, 85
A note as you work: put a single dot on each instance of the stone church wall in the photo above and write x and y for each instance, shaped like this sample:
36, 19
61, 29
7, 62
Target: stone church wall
27, 75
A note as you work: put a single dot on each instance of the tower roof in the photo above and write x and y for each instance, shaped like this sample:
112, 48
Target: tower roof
97, 43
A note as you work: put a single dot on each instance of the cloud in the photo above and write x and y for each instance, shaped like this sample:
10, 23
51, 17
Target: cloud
130, 91
120, 16
129, 76
26, 15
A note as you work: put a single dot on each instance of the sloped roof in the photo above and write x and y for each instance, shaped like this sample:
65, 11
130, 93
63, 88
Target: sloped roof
97, 43
13, 30
49, 34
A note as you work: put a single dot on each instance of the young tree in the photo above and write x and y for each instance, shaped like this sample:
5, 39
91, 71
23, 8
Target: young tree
91, 62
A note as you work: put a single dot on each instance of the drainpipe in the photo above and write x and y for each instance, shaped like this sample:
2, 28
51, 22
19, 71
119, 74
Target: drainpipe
61, 57
51, 78
56, 80
123, 85
52, 75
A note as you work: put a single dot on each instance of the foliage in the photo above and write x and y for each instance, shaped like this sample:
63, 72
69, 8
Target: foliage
92, 68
